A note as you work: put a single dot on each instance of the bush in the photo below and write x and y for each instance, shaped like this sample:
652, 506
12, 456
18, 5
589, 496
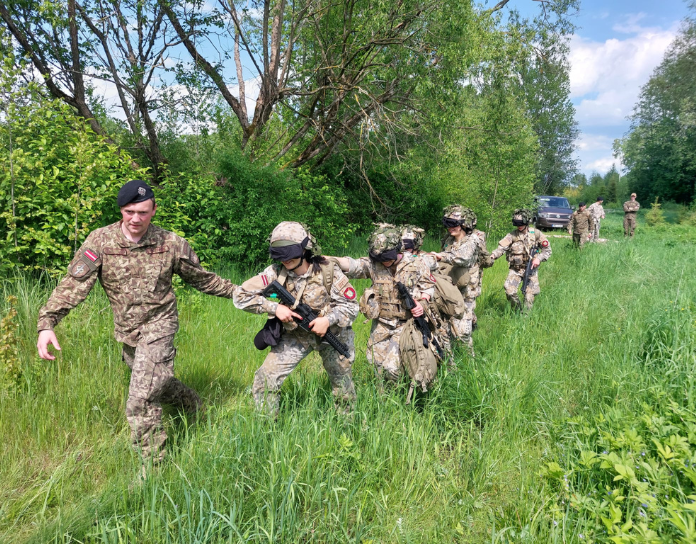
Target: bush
58, 184
655, 216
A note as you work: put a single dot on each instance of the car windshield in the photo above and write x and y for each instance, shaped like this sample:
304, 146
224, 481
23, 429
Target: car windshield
553, 202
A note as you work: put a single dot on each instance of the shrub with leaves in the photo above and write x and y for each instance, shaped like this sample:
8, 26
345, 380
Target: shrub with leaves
9, 355
655, 216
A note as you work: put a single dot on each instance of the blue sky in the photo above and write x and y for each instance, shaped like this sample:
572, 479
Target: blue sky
617, 46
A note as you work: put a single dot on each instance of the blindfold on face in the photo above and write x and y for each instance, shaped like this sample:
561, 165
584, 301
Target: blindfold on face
519, 222
451, 223
289, 252
409, 244
385, 256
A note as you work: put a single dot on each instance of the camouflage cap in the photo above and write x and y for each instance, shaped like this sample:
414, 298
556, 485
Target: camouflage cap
290, 233
386, 237
465, 216
523, 215
411, 232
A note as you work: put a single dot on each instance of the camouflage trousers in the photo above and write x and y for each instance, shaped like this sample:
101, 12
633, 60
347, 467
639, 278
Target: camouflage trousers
512, 285
463, 327
594, 235
292, 348
383, 348
152, 383
629, 224
579, 238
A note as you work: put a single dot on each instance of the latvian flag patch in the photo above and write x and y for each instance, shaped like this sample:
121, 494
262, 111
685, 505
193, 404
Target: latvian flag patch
91, 255
264, 279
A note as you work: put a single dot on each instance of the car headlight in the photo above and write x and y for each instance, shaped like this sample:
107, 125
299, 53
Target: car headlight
545, 215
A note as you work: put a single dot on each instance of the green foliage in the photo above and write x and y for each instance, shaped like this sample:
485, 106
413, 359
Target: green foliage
58, 181
655, 215
10, 369
230, 219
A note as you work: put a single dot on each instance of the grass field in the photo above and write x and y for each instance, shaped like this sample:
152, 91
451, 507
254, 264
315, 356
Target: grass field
576, 423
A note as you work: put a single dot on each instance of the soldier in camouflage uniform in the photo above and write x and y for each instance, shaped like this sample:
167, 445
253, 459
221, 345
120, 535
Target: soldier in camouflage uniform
630, 208
518, 247
461, 251
473, 290
386, 266
134, 261
319, 283
581, 225
597, 211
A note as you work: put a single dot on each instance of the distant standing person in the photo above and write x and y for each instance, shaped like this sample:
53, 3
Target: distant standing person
597, 211
134, 261
521, 245
631, 208
581, 225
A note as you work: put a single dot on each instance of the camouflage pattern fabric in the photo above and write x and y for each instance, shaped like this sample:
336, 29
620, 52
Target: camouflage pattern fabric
383, 344
292, 231
386, 237
597, 212
473, 290
410, 232
512, 285
339, 306
580, 226
284, 358
137, 279
631, 208
517, 246
152, 383
465, 215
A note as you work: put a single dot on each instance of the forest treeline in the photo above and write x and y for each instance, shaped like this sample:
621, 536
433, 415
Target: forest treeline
659, 150
243, 113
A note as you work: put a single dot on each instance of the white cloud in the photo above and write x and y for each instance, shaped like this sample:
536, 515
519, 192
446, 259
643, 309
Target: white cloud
630, 24
603, 165
593, 142
606, 77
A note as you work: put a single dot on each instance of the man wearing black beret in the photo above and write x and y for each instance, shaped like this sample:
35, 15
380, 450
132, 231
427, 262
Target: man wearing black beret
581, 225
134, 261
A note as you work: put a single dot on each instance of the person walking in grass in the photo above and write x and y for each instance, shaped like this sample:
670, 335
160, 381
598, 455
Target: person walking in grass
460, 254
597, 211
521, 245
630, 208
386, 266
581, 225
313, 280
134, 261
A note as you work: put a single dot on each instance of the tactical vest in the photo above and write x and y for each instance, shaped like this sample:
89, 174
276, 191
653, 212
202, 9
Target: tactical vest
384, 284
319, 299
520, 249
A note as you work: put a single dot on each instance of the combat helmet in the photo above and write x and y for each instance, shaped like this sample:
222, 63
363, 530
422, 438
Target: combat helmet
457, 215
289, 240
385, 243
522, 216
412, 237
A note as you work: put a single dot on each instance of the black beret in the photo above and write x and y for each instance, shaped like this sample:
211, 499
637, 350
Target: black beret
581, 204
600, 198
136, 190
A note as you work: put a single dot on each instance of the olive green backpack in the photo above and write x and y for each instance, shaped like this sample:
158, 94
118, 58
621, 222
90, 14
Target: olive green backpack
419, 361
448, 299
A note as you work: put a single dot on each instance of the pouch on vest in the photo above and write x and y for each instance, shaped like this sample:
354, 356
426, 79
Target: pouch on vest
448, 299
459, 275
369, 304
420, 362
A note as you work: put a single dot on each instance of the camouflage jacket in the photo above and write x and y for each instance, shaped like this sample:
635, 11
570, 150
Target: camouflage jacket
464, 253
517, 247
339, 305
581, 222
631, 206
137, 279
597, 210
411, 270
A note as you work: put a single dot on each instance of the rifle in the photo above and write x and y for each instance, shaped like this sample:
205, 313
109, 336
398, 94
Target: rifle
421, 324
307, 316
529, 270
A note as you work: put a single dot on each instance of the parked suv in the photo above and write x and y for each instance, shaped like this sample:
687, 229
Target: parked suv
553, 212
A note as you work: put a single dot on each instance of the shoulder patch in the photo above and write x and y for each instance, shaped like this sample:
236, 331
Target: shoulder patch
91, 255
545, 243
340, 282
349, 293
432, 278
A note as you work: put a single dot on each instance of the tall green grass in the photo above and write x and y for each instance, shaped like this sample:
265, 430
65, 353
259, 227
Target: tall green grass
461, 464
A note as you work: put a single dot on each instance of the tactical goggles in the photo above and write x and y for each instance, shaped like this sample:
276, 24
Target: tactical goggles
409, 244
450, 223
519, 222
390, 255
